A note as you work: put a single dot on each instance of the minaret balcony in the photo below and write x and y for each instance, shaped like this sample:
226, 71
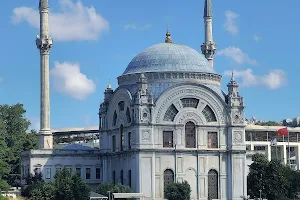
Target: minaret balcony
44, 43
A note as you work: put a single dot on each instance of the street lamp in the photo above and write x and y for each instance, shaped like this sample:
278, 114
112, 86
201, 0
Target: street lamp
108, 195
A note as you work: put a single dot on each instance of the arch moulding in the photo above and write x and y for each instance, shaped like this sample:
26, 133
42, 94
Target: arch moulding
200, 92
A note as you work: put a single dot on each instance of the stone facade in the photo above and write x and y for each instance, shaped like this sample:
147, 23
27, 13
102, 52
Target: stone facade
134, 134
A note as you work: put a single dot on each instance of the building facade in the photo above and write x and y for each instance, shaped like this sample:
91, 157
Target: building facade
169, 121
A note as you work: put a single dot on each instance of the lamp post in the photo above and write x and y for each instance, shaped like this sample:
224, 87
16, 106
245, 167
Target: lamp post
108, 195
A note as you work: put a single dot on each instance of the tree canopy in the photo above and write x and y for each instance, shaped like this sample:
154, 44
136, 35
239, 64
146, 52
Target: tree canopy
66, 186
14, 139
175, 191
272, 179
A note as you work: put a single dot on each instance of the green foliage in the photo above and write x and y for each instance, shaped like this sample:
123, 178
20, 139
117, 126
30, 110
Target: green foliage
274, 180
63, 184
66, 186
81, 191
3, 198
42, 191
105, 188
34, 179
175, 191
270, 123
14, 139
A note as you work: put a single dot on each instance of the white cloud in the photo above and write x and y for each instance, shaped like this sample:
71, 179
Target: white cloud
230, 24
1, 80
274, 79
135, 27
256, 37
237, 56
74, 21
68, 79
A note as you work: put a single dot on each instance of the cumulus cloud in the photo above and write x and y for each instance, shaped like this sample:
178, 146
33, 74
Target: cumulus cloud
135, 27
74, 21
237, 56
274, 79
68, 79
230, 23
256, 37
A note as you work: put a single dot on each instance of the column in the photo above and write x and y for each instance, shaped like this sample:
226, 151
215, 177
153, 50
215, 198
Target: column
269, 152
284, 157
298, 156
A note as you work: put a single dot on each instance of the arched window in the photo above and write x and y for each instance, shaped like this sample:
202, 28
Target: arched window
115, 118
128, 117
212, 184
168, 176
209, 114
190, 135
171, 113
122, 141
121, 105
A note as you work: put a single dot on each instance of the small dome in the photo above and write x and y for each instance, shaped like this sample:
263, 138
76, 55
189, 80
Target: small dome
169, 57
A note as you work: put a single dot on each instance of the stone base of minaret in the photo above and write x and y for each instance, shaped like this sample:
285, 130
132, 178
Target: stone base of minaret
45, 139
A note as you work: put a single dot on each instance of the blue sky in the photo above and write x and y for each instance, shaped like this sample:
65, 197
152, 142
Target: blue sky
95, 40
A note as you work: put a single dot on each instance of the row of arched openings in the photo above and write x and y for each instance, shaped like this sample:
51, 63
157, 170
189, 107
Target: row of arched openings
212, 182
207, 112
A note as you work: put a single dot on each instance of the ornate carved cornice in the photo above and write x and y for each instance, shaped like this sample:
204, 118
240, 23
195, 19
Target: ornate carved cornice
128, 79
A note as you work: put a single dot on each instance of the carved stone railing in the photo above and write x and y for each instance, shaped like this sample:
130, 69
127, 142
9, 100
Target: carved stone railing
171, 77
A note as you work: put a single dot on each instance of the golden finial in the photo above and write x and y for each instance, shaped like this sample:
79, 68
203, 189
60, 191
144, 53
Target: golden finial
168, 35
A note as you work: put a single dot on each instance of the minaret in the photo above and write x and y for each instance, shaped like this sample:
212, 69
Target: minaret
208, 48
44, 44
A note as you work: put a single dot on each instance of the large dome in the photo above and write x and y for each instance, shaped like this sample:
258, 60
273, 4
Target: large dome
169, 57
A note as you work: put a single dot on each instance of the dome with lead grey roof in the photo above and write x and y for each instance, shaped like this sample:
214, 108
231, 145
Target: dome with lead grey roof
169, 57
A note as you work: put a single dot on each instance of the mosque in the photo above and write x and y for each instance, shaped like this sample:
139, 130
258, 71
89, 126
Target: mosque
167, 121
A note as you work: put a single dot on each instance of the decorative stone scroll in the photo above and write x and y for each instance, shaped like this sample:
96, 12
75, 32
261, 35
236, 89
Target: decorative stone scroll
146, 135
238, 137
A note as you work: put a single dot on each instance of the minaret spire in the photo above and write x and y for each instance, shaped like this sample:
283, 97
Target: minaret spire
44, 44
208, 48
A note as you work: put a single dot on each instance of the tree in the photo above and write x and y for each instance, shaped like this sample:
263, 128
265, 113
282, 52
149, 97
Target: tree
81, 191
272, 180
14, 139
68, 186
175, 191
42, 191
34, 179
